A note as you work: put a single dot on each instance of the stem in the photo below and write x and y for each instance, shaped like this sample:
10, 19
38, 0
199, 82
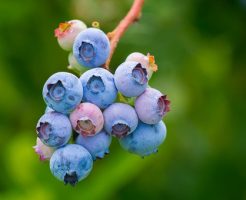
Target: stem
132, 16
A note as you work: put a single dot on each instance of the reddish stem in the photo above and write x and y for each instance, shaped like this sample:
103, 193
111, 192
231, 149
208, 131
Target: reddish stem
114, 36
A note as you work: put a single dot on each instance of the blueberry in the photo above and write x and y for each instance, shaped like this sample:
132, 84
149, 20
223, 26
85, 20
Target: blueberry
146, 61
97, 145
140, 58
71, 163
54, 129
145, 139
99, 88
91, 48
63, 92
131, 79
120, 119
87, 119
44, 152
48, 109
67, 32
151, 106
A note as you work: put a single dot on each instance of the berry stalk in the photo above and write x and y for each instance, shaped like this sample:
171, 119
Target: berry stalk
114, 36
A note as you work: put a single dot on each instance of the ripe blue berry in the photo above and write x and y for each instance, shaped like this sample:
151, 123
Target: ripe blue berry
145, 139
99, 88
147, 61
71, 163
151, 106
91, 48
54, 129
63, 92
120, 119
87, 119
131, 79
97, 145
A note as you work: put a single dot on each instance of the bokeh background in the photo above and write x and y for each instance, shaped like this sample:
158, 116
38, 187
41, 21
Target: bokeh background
200, 48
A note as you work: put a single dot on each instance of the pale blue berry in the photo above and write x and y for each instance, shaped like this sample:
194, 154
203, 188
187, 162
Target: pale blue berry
71, 163
120, 119
131, 79
97, 145
99, 88
145, 140
63, 92
91, 48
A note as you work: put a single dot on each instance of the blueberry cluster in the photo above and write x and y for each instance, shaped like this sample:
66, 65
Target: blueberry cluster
97, 106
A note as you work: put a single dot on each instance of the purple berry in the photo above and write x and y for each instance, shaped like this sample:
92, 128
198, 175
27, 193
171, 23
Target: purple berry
54, 129
120, 119
151, 106
71, 163
99, 88
145, 139
87, 119
63, 92
97, 145
131, 79
91, 48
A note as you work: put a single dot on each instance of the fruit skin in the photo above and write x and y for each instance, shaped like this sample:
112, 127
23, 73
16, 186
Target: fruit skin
95, 45
131, 79
71, 163
97, 145
141, 58
99, 88
74, 65
43, 151
48, 109
145, 139
120, 119
151, 106
148, 61
67, 32
54, 129
62, 92
87, 119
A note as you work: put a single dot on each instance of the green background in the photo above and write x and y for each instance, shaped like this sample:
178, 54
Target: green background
200, 48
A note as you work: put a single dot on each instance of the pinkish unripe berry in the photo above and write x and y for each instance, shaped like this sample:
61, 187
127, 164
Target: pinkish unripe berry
67, 32
87, 119
43, 151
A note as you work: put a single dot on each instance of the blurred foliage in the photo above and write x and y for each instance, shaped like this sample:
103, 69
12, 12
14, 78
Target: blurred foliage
200, 47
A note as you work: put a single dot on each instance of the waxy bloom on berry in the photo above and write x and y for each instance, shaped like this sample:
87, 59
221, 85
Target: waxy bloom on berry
147, 61
54, 129
97, 145
131, 78
63, 92
91, 48
120, 119
145, 139
71, 163
151, 106
99, 88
